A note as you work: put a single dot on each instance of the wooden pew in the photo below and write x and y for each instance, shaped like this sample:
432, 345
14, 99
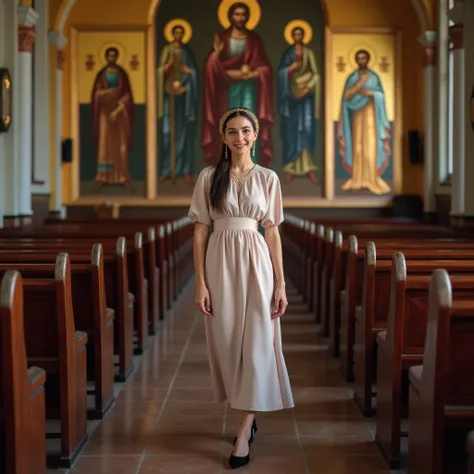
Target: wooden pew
401, 347
335, 288
22, 388
325, 289
442, 389
53, 344
372, 228
90, 234
128, 228
470, 449
90, 316
117, 295
351, 296
371, 316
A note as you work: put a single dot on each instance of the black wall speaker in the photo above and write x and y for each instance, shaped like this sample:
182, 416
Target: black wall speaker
66, 152
415, 147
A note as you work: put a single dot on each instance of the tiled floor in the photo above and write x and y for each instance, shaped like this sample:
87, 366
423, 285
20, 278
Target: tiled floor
164, 420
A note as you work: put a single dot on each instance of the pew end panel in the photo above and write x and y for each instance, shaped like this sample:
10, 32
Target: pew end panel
22, 391
441, 391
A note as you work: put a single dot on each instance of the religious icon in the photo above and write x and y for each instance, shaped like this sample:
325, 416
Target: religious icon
112, 122
178, 92
298, 96
364, 129
237, 73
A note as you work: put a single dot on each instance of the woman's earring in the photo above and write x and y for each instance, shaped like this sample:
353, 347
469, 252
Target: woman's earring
226, 148
253, 150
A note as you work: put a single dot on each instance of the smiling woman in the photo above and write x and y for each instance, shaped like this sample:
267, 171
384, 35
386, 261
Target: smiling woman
235, 285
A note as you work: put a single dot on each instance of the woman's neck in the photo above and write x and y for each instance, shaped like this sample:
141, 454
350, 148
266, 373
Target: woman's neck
241, 164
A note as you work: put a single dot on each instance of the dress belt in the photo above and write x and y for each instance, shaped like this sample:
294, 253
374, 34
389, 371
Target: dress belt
235, 223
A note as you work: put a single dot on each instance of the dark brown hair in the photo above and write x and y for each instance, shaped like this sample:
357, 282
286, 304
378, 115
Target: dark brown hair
234, 7
221, 178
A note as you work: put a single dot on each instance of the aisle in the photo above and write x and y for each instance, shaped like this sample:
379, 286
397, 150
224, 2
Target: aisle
164, 420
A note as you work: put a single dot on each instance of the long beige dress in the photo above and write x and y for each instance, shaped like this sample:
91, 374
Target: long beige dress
244, 344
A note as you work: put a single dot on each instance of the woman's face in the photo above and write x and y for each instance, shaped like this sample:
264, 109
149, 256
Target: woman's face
240, 135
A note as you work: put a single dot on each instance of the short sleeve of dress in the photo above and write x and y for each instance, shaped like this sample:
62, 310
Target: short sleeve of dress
199, 209
274, 215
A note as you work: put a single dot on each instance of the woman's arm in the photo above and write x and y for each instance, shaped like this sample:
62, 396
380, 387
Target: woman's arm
203, 299
272, 237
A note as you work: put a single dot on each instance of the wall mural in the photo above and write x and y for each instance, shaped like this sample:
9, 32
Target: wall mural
111, 112
214, 55
363, 104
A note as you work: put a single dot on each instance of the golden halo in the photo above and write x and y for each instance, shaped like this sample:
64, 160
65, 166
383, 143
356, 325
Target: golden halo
370, 49
254, 7
112, 44
304, 25
168, 30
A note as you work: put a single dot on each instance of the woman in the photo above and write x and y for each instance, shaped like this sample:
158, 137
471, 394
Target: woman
235, 278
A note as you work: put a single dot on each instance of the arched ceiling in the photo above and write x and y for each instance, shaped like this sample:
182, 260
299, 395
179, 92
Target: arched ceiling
423, 8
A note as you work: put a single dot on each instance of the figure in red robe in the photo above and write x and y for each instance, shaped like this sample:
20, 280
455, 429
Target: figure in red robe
112, 122
237, 73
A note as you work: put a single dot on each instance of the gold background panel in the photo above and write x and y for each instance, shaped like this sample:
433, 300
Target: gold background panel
382, 49
91, 46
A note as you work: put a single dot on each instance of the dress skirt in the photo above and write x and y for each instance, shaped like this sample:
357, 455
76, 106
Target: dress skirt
244, 344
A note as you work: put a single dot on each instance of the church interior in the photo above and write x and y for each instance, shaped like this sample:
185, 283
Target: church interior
110, 110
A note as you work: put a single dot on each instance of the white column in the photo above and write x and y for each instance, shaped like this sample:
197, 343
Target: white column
9, 163
457, 182
468, 177
41, 137
27, 17
428, 41
58, 40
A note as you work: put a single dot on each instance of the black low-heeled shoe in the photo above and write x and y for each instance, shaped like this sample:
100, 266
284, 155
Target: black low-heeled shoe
253, 431
239, 461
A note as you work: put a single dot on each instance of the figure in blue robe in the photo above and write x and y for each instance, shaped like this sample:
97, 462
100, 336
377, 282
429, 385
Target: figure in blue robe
298, 93
364, 129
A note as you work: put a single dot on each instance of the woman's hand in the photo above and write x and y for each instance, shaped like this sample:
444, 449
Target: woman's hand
203, 300
280, 303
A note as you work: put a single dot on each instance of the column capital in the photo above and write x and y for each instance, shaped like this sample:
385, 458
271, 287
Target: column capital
27, 16
57, 39
60, 59
26, 38
456, 14
456, 34
428, 38
429, 42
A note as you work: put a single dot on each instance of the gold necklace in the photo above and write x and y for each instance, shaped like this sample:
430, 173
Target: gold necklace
240, 179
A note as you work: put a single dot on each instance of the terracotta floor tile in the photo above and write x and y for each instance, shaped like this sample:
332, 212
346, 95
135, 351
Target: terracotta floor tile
272, 463
177, 464
197, 425
190, 395
118, 444
348, 464
268, 426
185, 443
333, 427
191, 408
106, 465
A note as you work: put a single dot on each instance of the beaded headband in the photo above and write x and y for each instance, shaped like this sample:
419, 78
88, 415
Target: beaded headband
238, 109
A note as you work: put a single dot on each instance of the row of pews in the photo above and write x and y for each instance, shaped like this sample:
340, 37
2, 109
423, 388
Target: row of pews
395, 300
79, 302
